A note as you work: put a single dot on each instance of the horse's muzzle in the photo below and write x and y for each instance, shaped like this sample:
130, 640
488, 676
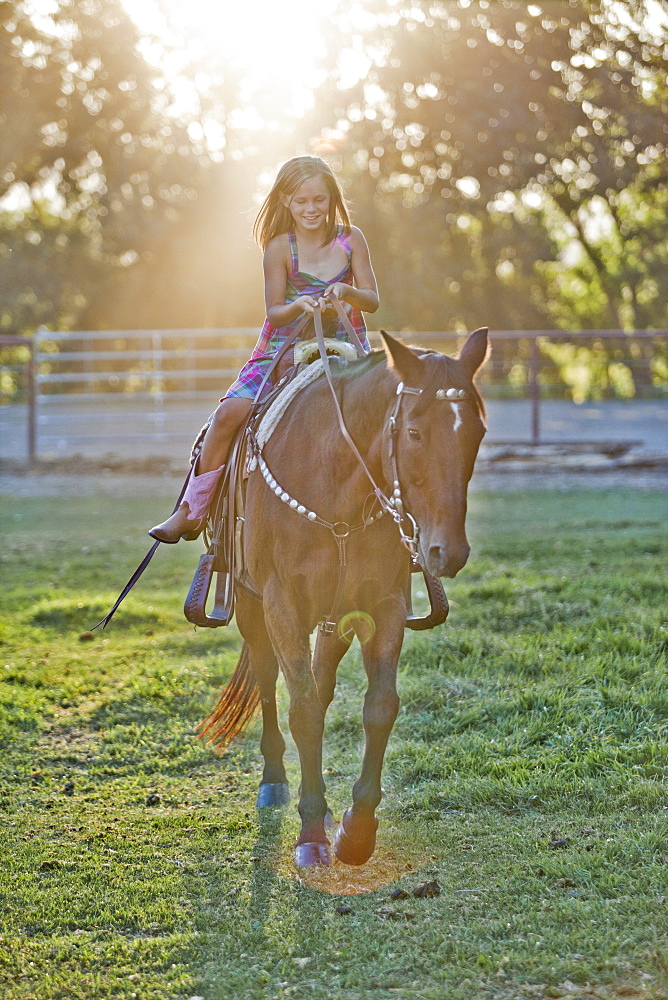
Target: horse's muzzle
448, 558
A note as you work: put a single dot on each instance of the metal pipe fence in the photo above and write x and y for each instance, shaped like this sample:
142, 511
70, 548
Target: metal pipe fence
29, 371
79, 381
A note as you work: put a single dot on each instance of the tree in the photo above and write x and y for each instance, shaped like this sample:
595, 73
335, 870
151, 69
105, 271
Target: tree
94, 171
534, 129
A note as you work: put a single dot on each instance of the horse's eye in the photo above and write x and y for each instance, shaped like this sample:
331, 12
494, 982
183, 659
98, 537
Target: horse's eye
412, 433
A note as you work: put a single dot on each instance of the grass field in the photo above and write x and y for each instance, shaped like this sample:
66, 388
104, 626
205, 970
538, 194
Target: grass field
526, 774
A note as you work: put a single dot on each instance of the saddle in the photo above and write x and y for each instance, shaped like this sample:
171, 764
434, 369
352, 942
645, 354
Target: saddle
224, 535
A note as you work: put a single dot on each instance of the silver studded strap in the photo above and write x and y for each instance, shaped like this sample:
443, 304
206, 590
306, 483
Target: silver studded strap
336, 527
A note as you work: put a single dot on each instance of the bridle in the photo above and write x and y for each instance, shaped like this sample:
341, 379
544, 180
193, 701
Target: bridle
395, 501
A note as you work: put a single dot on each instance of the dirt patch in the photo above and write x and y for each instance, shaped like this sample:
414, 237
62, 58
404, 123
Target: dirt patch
86, 478
108, 478
509, 478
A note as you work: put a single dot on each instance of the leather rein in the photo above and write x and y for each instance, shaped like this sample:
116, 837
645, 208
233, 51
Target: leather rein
392, 505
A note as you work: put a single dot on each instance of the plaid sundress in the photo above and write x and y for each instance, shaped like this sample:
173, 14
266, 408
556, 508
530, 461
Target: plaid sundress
299, 283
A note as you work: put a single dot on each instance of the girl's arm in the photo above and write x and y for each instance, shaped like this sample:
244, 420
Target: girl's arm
364, 294
280, 312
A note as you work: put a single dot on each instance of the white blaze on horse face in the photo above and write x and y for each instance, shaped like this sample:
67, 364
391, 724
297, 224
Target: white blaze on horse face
454, 396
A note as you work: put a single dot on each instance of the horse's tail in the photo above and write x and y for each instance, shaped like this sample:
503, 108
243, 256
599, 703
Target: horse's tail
235, 708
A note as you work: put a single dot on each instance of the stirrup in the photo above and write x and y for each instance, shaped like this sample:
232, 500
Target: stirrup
439, 606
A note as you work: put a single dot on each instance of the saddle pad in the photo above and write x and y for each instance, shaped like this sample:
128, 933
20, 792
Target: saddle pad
272, 417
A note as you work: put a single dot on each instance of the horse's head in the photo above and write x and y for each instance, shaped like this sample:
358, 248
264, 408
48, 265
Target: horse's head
438, 433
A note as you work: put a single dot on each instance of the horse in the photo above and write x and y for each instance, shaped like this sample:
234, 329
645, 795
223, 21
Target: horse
328, 523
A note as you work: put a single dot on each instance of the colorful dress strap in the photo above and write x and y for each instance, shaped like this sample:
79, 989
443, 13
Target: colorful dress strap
345, 243
294, 253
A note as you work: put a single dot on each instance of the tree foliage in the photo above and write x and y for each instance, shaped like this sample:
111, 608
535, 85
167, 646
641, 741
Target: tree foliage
507, 161
525, 144
93, 170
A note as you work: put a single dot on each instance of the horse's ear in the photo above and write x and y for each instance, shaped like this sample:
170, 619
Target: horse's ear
402, 359
475, 351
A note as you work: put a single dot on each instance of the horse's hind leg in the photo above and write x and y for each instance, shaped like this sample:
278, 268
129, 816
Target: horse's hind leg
274, 789
290, 639
356, 836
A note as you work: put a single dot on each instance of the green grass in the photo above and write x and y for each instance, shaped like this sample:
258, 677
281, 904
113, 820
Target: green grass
526, 773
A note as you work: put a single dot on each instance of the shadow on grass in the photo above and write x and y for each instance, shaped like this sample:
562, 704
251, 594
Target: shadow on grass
70, 614
265, 856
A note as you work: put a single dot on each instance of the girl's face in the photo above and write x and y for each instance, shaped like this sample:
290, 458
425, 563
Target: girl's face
309, 205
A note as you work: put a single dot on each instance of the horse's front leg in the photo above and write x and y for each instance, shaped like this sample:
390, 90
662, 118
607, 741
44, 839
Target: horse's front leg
329, 651
290, 638
356, 836
274, 789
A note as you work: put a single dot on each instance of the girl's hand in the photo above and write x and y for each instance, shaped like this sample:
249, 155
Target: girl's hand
339, 289
307, 304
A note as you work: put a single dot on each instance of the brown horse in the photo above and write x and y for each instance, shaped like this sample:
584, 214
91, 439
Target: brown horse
417, 420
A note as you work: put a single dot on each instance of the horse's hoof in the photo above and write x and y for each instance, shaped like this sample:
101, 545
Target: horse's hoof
273, 795
312, 855
351, 851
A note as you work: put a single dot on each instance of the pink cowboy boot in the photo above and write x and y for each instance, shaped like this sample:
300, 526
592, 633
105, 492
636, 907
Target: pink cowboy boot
188, 521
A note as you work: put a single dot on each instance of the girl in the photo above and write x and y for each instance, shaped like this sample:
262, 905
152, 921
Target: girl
311, 252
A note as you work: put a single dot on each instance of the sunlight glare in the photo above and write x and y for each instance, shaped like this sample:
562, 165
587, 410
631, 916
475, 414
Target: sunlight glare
271, 46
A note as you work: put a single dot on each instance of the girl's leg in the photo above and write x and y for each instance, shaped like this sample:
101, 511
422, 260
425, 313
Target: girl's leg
188, 519
227, 420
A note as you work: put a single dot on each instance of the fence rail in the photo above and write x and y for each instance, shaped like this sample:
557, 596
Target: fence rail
165, 368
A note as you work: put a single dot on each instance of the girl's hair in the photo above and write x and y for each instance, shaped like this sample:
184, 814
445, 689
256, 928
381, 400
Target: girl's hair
275, 218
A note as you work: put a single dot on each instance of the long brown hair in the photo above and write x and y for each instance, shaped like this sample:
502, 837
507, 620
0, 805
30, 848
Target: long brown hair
275, 218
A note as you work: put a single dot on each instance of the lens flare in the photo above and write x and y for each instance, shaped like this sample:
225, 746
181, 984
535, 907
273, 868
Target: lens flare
357, 623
